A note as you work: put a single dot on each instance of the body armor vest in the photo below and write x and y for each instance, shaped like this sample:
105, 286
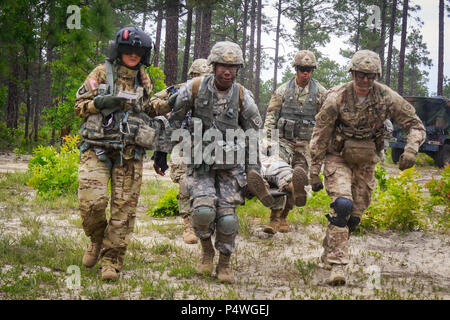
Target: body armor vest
297, 123
227, 118
117, 129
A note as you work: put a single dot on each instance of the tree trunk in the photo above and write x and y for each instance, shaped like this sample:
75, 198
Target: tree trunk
158, 38
12, 109
258, 52
382, 36
401, 66
198, 28
171, 45
277, 44
440, 78
144, 16
252, 46
391, 43
187, 46
206, 32
358, 27
37, 103
244, 38
27, 94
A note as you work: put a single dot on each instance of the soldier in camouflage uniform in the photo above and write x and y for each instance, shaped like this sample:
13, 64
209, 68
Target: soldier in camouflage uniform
217, 101
348, 133
114, 145
159, 102
291, 110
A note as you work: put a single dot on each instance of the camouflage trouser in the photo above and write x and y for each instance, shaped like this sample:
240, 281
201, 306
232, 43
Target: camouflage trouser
352, 182
93, 177
178, 175
225, 188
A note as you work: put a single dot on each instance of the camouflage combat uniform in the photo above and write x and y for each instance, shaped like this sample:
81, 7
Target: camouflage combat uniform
291, 110
346, 137
94, 174
221, 189
159, 102
216, 189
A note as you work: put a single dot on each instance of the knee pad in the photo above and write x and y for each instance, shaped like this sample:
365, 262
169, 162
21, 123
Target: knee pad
203, 215
343, 208
352, 223
227, 225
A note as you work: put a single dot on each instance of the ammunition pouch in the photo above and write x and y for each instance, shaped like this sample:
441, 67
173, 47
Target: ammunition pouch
292, 130
359, 152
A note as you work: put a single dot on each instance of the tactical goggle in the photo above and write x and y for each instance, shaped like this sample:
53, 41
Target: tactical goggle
305, 69
130, 50
362, 75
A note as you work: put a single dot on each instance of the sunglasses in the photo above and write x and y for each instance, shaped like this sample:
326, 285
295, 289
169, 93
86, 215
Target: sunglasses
362, 75
305, 69
129, 50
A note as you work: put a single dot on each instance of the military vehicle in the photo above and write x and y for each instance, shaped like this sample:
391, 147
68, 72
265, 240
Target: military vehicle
435, 115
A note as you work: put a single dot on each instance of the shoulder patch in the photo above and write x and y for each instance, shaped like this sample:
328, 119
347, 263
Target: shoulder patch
93, 84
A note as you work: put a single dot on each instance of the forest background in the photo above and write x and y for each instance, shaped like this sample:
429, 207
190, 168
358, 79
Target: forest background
49, 47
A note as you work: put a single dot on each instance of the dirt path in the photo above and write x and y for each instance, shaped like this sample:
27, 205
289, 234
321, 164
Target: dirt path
383, 265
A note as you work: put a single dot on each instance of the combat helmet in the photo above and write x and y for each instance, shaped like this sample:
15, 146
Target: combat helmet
365, 61
226, 52
131, 37
305, 58
200, 67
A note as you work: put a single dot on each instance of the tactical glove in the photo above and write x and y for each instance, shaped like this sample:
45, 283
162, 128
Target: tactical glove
109, 102
160, 161
315, 182
407, 160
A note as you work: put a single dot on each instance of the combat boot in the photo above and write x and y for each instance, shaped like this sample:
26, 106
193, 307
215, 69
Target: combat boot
224, 272
206, 265
258, 187
274, 224
109, 273
284, 226
299, 181
337, 276
91, 254
189, 236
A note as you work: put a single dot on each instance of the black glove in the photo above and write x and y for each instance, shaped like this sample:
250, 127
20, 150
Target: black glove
316, 183
109, 102
161, 160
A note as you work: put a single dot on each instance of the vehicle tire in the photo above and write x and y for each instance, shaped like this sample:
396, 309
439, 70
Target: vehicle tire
443, 156
396, 153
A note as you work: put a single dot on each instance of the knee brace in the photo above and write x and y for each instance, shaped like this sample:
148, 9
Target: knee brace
343, 208
227, 225
352, 223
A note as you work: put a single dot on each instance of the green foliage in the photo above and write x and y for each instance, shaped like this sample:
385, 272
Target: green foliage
306, 269
166, 206
440, 189
381, 176
399, 207
157, 77
55, 173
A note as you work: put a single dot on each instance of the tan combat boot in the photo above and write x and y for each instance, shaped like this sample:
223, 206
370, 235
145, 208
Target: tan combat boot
91, 254
109, 273
224, 272
258, 187
284, 226
337, 276
274, 224
206, 265
189, 236
299, 181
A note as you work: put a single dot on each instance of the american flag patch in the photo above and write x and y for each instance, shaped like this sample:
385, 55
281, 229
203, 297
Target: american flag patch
93, 84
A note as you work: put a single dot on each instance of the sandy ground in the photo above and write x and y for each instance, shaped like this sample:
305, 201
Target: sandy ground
413, 265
